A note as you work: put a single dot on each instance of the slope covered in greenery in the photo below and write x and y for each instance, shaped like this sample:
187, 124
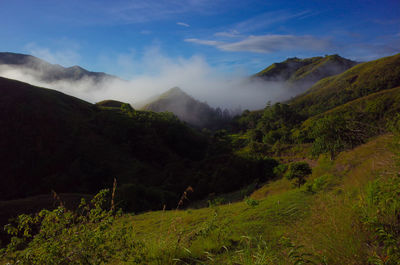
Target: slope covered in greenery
359, 81
346, 213
336, 113
302, 73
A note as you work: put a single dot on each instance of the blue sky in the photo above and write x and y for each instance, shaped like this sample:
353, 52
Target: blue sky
133, 37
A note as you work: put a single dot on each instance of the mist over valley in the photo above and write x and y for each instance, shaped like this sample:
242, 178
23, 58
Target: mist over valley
200, 132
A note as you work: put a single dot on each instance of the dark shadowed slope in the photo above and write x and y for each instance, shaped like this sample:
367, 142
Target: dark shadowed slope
49, 140
48, 72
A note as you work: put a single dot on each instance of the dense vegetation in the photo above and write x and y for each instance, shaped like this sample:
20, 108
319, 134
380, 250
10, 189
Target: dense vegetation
357, 82
346, 213
335, 114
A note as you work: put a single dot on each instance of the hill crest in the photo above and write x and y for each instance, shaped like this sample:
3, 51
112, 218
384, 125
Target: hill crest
47, 72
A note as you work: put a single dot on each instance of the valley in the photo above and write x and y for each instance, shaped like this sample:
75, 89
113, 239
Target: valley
312, 179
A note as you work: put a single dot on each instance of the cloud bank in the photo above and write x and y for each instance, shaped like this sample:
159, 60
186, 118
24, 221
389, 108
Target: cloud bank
193, 75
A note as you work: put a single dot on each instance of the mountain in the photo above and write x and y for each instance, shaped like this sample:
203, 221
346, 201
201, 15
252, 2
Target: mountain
48, 72
359, 81
335, 114
188, 109
300, 74
49, 140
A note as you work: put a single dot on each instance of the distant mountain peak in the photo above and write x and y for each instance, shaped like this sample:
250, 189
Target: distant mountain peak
175, 90
47, 72
187, 108
302, 73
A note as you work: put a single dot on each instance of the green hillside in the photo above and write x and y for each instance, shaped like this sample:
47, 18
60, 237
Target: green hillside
346, 213
302, 73
359, 81
350, 104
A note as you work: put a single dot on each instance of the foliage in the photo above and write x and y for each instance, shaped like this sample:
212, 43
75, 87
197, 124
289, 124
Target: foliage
280, 170
333, 134
216, 201
251, 202
359, 81
297, 172
65, 237
319, 184
380, 212
353, 123
296, 254
277, 122
343, 111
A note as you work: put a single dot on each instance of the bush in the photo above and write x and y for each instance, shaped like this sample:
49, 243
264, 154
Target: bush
320, 184
251, 202
298, 171
66, 237
280, 170
217, 201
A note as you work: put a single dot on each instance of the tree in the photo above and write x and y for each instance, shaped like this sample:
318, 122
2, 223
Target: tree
298, 171
334, 133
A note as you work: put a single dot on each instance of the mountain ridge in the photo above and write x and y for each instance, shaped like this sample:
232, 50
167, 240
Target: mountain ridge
300, 74
48, 72
188, 109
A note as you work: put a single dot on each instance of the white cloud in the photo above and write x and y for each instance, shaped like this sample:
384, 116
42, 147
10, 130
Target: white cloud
269, 43
267, 19
273, 43
66, 56
136, 11
183, 24
228, 34
204, 42
194, 75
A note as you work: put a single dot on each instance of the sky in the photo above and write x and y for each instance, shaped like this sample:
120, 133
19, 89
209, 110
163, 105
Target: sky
131, 37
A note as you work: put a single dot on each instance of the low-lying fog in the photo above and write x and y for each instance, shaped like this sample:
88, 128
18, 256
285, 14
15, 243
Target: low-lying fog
193, 75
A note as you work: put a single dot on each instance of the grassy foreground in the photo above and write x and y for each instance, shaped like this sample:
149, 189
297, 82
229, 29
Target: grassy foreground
346, 213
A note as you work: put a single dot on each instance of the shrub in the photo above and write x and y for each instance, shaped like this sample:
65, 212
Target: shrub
298, 171
251, 202
280, 170
62, 236
320, 184
217, 201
